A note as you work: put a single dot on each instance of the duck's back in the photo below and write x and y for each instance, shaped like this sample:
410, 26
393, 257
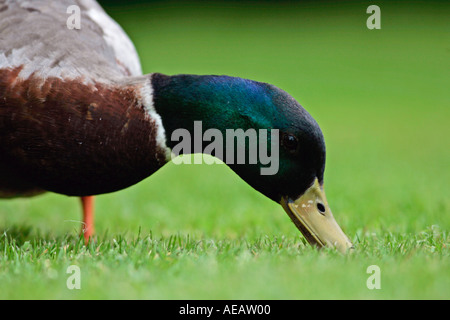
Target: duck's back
75, 111
44, 38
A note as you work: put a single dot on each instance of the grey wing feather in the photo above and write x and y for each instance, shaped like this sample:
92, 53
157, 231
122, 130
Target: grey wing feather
34, 34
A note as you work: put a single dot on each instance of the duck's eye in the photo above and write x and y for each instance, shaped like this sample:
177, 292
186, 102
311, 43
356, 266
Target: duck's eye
290, 142
321, 207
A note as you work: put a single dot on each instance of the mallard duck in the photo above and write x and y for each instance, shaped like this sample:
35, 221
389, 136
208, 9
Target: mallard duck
78, 117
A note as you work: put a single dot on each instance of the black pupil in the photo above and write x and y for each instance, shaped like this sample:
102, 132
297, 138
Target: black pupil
321, 207
290, 141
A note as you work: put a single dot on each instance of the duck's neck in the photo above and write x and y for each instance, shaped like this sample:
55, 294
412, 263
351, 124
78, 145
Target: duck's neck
219, 102
226, 107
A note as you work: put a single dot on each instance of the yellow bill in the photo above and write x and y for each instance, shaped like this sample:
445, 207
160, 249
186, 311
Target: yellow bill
312, 216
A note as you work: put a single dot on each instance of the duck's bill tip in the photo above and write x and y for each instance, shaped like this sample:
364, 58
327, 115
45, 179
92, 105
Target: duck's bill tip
312, 216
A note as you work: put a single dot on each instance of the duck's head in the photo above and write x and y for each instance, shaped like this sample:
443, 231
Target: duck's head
294, 176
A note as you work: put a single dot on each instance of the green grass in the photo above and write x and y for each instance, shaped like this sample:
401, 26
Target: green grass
181, 267
197, 231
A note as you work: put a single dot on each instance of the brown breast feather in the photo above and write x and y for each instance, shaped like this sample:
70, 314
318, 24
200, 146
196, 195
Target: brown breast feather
73, 138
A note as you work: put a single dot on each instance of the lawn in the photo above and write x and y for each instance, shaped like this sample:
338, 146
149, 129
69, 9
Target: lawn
382, 100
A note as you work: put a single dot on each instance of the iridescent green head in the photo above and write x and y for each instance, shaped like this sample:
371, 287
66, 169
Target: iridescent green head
294, 141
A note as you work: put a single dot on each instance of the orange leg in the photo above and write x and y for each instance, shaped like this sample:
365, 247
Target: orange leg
88, 217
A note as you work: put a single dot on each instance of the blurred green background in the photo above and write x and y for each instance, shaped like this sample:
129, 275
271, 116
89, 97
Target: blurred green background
382, 99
